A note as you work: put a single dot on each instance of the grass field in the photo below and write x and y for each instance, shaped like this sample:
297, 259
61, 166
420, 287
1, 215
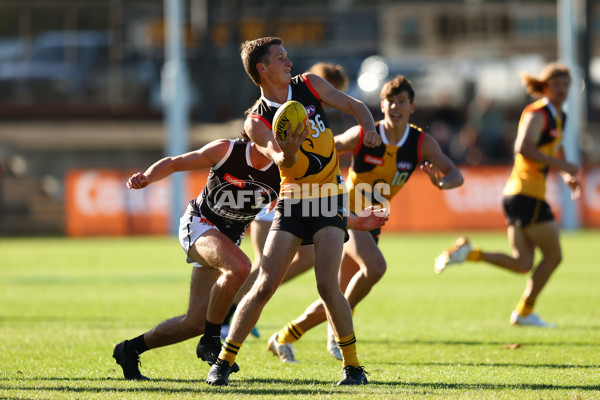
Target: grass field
65, 303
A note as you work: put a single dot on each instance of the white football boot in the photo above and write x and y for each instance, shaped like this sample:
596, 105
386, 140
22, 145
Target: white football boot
530, 320
285, 351
455, 255
332, 346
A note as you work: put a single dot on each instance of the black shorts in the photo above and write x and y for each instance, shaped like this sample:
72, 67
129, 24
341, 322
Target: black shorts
375, 233
303, 218
523, 211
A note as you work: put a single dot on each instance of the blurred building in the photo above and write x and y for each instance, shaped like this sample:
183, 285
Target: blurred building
80, 81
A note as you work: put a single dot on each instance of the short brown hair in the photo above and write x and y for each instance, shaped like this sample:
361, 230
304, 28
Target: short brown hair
332, 73
535, 85
396, 86
257, 51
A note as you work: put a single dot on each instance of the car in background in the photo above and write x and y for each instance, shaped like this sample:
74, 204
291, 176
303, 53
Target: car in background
60, 63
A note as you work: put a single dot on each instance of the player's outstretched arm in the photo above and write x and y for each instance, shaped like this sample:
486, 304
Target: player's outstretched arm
340, 100
441, 170
370, 218
206, 157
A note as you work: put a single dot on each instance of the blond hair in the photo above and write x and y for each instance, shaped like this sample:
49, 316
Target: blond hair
535, 85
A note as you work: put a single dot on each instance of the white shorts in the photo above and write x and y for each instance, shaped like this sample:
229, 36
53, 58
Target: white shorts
263, 215
191, 227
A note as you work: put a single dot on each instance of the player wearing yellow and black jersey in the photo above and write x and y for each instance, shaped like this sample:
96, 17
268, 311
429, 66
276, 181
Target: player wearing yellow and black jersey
530, 221
376, 175
311, 205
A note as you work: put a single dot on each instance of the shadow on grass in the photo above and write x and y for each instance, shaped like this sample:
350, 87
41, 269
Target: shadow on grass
474, 343
494, 365
296, 386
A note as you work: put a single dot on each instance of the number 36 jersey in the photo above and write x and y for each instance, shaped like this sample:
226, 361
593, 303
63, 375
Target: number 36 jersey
379, 173
317, 164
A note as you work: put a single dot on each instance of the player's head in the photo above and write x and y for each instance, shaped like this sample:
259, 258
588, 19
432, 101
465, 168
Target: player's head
396, 86
397, 97
553, 82
332, 73
255, 52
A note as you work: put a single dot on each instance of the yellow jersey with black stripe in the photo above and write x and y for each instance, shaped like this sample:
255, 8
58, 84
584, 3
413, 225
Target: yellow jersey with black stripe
528, 177
379, 173
316, 172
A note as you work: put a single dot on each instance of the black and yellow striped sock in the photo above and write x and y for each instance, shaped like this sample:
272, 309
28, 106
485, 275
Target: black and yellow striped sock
229, 351
290, 333
525, 306
347, 345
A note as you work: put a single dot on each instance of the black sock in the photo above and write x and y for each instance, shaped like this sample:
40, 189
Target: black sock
211, 332
229, 315
136, 345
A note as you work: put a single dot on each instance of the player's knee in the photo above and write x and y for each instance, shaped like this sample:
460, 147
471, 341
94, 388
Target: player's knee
375, 271
524, 267
553, 259
239, 272
264, 289
327, 290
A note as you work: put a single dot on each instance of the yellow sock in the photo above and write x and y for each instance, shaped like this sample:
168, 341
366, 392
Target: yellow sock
290, 333
475, 255
347, 345
525, 306
229, 351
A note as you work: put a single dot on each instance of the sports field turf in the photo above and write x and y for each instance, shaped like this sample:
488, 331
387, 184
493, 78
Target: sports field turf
65, 303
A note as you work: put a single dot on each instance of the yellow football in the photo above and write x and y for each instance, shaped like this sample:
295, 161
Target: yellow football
291, 112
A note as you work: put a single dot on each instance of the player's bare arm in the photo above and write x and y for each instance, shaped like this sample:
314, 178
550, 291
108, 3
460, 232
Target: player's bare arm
441, 170
348, 141
370, 218
340, 100
206, 157
281, 152
572, 181
528, 138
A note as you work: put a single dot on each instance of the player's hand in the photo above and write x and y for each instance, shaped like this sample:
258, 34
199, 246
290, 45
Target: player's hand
435, 176
570, 169
138, 181
372, 139
574, 185
292, 143
372, 218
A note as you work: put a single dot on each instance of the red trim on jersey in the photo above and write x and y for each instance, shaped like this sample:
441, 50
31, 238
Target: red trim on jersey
310, 87
234, 181
369, 159
419, 146
546, 118
261, 118
361, 136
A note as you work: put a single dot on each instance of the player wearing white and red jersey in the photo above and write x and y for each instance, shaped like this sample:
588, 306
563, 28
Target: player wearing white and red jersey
240, 183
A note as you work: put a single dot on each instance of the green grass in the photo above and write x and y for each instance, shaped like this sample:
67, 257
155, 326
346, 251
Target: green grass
64, 304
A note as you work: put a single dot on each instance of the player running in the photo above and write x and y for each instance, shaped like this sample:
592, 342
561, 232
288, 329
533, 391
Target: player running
529, 218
